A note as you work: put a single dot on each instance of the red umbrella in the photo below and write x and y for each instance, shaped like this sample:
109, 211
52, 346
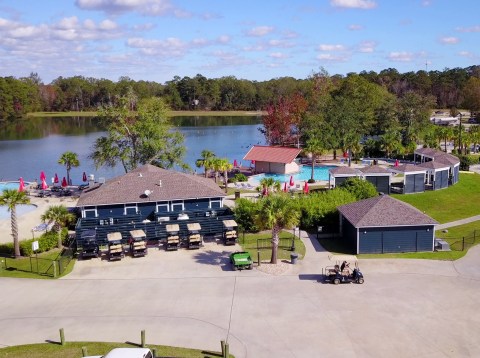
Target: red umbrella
56, 179
292, 183
44, 184
235, 164
345, 154
42, 176
285, 187
396, 163
64, 182
305, 188
21, 187
84, 177
253, 162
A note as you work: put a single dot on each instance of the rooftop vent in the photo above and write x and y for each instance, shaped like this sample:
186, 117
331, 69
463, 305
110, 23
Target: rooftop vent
160, 183
147, 192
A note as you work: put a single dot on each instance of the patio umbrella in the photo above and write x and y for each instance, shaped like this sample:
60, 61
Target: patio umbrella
84, 178
305, 188
396, 163
56, 179
21, 187
44, 184
235, 164
285, 187
42, 176
292, 183
64, 182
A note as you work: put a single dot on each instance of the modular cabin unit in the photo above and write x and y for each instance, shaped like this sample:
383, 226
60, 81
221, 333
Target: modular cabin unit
138, 243
413, 180
385, 225
230, 234
194, 239
338, 175
115, 246
173, 237
379, 176
425, 155
437, 175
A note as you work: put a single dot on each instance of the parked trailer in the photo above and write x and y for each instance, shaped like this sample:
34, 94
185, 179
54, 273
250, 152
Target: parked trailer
138, 243
115, 247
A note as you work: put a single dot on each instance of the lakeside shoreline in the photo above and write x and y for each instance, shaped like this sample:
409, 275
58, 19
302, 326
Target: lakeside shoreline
170, 114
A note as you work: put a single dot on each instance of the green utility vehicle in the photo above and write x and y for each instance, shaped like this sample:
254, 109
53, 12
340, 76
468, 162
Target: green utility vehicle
241, 260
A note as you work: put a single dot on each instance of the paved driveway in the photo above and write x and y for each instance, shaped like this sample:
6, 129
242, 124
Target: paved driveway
406, 308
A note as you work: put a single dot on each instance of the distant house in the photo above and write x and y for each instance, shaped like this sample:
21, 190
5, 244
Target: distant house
269, 159
383, 224
146, 198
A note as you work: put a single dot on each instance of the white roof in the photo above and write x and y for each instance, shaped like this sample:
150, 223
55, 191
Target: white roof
114, 236
137, 233
172, 227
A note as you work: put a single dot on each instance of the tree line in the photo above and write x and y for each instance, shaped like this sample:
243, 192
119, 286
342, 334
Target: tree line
18, 96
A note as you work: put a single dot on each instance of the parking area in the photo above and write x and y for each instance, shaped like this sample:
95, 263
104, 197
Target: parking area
193, 298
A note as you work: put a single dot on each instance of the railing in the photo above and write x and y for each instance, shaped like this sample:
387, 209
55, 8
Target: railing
464, 243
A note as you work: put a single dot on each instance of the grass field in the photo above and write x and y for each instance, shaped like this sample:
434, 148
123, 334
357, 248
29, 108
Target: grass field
458, 201
171, 113
74, 350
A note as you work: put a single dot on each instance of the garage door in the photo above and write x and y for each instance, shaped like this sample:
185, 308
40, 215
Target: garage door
400, 241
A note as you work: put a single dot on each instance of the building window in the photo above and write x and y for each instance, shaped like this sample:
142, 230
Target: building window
215, 203
89, 212
163, 207
178, 205
130, 209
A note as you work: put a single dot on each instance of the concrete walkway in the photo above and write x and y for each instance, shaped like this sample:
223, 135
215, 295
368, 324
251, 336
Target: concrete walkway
458, 222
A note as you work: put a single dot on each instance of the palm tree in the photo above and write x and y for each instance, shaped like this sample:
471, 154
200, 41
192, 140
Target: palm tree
276, 212
69, 160
216, 165
11, 198
390, 141
60, 216
225, 166
270, 184
316, 148
205, 161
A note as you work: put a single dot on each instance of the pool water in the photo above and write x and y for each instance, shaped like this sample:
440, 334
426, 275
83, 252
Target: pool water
10, 185
319, 173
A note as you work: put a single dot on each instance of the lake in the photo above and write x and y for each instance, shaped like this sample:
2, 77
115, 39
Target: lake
35, 144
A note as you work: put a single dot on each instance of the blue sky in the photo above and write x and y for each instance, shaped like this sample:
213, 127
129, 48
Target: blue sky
256, 40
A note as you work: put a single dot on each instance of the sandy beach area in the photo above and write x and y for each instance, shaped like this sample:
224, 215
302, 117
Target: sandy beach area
27, 221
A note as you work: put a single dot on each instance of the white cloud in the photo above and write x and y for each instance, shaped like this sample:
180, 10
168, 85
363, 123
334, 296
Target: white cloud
367, 46
223, 39
475, 28
467, 54
331, 58
278, 55
260, 31
171, 46
355, 27
450, 40
400, 56
144, 7
354, 4
327, 47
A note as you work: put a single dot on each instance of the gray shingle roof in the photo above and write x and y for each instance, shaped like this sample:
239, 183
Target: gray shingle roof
447, 159
375, 169
131, 187
338, 171
384, 210
408, 168
434, 165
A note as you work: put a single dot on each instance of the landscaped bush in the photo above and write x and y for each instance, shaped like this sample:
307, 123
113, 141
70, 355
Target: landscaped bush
7, 248
239, 177
467, 160
244, 213
321, 208
361, 189
46, 242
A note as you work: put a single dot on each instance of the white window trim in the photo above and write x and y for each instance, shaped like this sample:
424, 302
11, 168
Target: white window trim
130, 206
94, 209
163, 204
211, 201
177, 202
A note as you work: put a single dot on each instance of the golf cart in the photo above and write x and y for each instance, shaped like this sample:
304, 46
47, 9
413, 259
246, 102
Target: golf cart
138, 243
241, 260
173, 238
115, 247
90, 247
230, 233
127, 353
340, 270
194, 239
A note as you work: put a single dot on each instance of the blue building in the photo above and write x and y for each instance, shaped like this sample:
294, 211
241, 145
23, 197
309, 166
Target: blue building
148, 198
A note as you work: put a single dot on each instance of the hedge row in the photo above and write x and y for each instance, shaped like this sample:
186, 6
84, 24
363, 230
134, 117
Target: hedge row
46, 242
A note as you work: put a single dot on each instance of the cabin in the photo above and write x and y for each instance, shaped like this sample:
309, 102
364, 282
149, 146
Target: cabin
379, 176
270, 159
423, 155
149, 198
383, 224
338, 175
411, 179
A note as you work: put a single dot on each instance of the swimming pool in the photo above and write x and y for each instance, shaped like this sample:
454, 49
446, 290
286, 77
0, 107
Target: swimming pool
10, 185
319, 173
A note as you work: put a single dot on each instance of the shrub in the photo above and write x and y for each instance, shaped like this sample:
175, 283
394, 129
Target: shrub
240, 177
244, 214
46, 242
361, 189
7, 248
311, 181
467, 160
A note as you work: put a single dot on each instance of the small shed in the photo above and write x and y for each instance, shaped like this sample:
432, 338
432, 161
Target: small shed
269, 159
338, 175
413, 179
383, 224
379, 176
437, 174
454, 164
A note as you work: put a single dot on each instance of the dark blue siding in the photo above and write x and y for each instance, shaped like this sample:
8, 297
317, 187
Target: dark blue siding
381, 183
370, 241
340, 180
441, 179
399, 241
456, 171
349, 234
414, 183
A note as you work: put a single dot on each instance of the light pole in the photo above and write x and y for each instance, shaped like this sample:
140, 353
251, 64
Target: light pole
293, 239
460, 135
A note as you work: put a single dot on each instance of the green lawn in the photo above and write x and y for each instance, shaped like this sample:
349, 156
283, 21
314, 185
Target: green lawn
458, 201
22, 267
249, 243
74, 350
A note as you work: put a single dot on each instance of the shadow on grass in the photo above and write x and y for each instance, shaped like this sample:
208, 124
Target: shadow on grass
214, 258
53, 342
211, 354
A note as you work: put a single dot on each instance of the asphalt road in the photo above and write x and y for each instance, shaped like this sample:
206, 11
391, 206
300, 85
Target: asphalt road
406, 308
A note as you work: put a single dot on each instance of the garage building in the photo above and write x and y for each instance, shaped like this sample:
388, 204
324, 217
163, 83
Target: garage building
383, 224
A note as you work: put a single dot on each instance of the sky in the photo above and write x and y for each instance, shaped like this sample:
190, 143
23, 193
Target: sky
155, 40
